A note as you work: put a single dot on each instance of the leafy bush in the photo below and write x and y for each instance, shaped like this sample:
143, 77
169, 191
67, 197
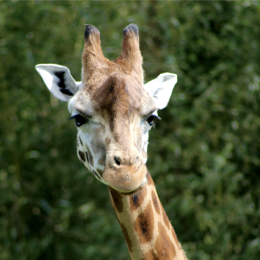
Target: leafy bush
204, 155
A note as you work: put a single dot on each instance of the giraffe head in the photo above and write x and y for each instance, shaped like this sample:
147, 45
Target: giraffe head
112, 108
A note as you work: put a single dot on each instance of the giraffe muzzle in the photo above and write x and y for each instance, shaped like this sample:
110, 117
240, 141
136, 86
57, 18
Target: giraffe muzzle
124, 177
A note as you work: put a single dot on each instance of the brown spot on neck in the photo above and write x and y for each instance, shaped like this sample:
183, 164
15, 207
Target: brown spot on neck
144, 224
175, 238
156, 202
117, 200
163, 245
137, 199
126, 235
165, 218
150, 255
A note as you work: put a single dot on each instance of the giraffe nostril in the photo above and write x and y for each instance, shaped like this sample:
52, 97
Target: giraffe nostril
117, 161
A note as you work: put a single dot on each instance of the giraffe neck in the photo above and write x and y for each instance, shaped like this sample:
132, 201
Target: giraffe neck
145, 225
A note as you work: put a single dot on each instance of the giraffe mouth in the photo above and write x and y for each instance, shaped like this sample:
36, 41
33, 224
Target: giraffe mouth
125, 179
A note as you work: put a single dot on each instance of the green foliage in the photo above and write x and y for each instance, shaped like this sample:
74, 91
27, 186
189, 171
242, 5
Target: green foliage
204, 155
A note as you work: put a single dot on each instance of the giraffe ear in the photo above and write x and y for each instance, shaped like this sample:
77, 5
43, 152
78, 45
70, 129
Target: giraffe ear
161, 88
58, 80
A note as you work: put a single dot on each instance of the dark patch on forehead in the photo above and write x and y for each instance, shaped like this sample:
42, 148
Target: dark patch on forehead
118, 96
163, 245
107, 96
144, 225
137, 199
109, 91
117, 199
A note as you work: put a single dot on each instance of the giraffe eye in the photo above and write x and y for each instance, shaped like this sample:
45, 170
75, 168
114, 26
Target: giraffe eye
79, 120
151, 120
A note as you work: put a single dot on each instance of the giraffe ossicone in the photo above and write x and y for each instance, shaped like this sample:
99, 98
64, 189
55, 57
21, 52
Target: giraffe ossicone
114, 110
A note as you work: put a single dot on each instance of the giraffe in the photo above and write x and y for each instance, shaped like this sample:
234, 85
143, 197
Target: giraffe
113, 112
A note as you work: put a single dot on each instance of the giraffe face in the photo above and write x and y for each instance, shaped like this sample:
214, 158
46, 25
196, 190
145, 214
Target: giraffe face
112, 109
113, 130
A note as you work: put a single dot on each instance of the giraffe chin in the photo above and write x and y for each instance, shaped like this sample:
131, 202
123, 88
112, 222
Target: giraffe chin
125, 179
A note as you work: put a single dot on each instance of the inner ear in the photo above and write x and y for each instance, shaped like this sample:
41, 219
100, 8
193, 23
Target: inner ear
160, 89
61, 84
58, 80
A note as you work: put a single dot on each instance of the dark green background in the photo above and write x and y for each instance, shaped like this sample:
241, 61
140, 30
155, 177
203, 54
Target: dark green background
204, 155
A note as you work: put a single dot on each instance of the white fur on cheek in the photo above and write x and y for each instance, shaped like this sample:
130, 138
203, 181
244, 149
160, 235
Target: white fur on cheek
86, 135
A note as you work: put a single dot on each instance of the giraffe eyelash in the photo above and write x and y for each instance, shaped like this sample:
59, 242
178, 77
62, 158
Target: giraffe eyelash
79, 119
